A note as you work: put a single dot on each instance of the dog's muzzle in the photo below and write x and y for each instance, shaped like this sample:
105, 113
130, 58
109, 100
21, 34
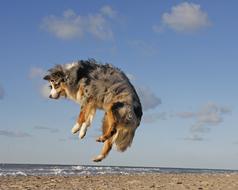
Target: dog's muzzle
56, 97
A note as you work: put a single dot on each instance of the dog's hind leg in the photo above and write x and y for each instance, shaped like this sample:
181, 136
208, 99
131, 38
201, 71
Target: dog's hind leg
109, 127
107, 146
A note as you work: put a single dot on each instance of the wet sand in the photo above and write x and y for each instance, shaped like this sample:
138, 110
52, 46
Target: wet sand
227, 181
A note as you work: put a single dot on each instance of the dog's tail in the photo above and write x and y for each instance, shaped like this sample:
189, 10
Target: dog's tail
124, 137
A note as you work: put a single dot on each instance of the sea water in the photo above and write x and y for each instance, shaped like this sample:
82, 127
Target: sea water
72, 170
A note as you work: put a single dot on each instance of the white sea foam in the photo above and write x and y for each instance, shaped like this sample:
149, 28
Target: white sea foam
25, 170
77, 167
57, 171
17, 173
69, 170
20, 173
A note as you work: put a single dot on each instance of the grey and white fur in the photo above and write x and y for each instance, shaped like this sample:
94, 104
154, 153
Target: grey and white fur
99, 86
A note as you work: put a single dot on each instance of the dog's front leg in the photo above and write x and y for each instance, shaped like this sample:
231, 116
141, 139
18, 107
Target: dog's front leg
87, 122
80, 120
84, 119
75, 128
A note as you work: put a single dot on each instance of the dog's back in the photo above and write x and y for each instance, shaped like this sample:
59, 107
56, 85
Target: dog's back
108, 88
113, 92
106, 85
100, 86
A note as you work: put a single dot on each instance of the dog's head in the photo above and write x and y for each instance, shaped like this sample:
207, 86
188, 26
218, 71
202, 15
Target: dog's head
56, 78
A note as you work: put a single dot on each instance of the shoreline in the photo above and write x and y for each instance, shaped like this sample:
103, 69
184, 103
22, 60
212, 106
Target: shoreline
168, 181
71, 170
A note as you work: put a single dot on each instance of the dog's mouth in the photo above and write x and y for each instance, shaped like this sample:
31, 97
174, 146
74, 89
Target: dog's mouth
61, 93
55, 97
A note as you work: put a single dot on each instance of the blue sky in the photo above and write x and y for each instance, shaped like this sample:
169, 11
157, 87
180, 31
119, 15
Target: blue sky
180, 55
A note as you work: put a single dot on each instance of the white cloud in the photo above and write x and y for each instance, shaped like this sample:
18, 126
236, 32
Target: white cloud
70, 138
185, 17
154, 117
2, 93
199, 127
108, 11
212, 114
17, 134
148, 99
194, 137
70, 25
99, 27
69, 13
67, 27
185, 114
209, 115
43, 128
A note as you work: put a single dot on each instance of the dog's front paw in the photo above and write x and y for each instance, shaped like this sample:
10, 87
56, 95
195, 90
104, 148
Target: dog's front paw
99, 158
101, 139
83, 130
75, 129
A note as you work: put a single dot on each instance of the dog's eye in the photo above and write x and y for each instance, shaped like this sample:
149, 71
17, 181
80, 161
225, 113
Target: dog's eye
56, 85
52, 81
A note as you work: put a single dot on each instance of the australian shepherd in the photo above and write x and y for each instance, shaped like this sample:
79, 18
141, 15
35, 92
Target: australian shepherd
99, 86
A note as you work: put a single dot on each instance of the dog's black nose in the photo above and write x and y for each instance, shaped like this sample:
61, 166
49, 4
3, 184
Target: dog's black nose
50, 96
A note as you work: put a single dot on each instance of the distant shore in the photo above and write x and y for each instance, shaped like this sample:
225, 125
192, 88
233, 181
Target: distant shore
180, 181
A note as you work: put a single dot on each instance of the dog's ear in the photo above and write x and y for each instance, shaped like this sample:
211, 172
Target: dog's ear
47, 77
59, 76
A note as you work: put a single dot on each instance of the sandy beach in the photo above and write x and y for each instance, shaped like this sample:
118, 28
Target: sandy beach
125, 182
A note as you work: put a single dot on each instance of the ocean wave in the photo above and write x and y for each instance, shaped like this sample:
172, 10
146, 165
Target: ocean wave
21, 173
18, 173
57, 171
77, 167
72, 170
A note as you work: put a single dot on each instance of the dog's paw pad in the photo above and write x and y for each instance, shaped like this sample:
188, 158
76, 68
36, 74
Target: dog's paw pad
99, 158
83, 131
75, 129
